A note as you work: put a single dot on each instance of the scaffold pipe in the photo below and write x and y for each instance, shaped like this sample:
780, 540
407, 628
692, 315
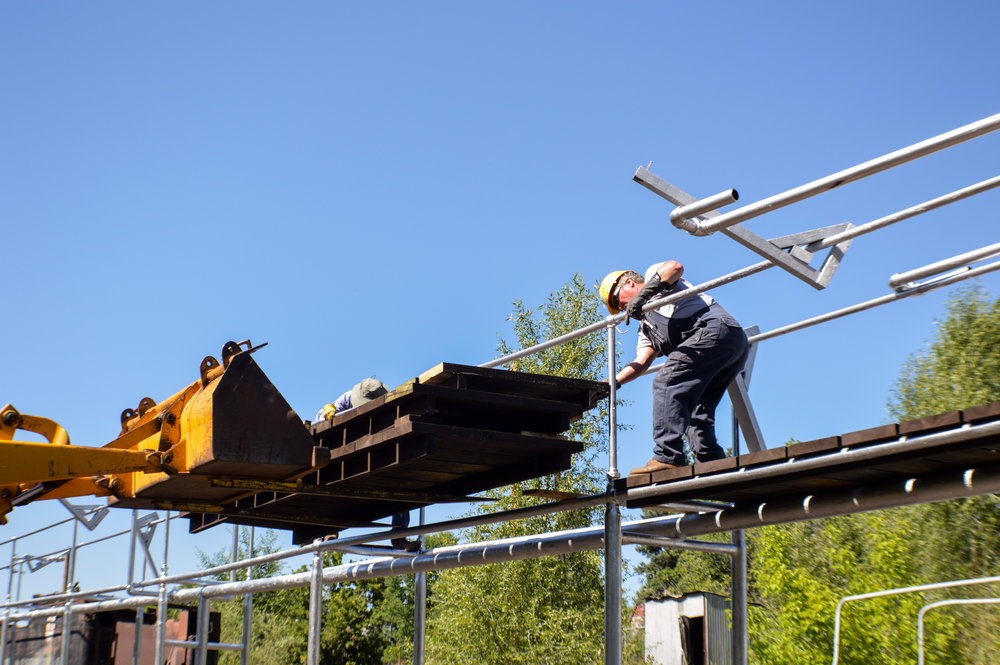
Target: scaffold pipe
832, 181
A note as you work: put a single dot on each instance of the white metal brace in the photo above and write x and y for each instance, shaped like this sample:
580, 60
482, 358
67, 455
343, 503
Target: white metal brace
740, 399
787, 252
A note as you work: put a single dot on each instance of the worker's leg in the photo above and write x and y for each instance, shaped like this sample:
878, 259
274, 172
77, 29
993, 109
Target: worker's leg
401, 521
679, 386
732, 353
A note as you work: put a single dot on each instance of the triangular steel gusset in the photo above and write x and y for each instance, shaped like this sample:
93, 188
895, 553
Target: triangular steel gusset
145, 529
80, 513
791, 253
36, 563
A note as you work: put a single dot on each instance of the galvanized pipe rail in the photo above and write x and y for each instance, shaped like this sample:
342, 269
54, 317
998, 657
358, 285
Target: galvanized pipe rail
943, 603
895, 592
825, 184
932, 487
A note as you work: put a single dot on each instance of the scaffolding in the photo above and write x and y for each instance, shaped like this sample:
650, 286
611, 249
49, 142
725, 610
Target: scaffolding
691, 518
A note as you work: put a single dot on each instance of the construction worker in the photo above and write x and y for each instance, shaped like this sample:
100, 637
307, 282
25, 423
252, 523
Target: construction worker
361, 393
704, 346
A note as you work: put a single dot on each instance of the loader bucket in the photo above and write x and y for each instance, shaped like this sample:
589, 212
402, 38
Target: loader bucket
232, 423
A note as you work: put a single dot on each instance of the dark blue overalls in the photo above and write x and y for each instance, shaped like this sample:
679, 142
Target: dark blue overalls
704, 353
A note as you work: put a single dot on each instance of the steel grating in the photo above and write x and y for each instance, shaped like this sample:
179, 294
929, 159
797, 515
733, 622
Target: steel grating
452, 431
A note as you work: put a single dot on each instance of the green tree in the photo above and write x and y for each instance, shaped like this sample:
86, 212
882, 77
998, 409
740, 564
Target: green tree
547, 610
958, 539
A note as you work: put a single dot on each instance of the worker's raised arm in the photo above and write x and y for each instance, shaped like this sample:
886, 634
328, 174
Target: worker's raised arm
670, 272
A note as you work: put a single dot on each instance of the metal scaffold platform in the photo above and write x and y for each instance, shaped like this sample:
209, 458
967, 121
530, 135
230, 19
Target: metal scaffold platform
452, 431
952, 441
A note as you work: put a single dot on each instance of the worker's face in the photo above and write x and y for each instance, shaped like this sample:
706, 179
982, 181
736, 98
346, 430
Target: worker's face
627, 289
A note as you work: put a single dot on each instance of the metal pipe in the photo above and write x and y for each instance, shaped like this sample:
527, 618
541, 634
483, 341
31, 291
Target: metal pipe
447, 525
931, 487
738, 572
137, 637
912, 211
895, 592
6, 613
67, 634
131, 551
903, 279
161, 623
235, 554
918, 289
315, 608
612, 584
680, 544
692, 506
738, 578
248, 608
612, 404
683, 213
555, 341
871, 167
202, 630
211, 646
943, 603
420, 609
69, 565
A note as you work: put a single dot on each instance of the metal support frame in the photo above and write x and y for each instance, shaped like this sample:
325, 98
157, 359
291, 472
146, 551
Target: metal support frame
315, 608
871, 167
895, 592
792, 253
248, 608
943, 603
795, 262
420, 608
97, 513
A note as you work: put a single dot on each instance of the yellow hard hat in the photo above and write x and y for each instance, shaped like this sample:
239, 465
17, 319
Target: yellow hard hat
607, 286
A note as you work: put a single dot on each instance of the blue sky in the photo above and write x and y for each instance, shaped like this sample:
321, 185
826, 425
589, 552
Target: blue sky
367, 188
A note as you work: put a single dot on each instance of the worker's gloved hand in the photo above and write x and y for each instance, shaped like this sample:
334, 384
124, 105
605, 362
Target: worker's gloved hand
633, 310
329, 411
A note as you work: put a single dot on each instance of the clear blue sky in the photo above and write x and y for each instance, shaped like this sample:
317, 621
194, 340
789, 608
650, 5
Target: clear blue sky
367, 188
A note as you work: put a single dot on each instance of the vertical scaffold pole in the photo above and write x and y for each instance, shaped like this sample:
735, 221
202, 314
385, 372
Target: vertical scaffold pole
420, 609
137, 637
6, 612
161, 622
67, 633
248, 608
161, 606
315, 608
612, 528
612, 402
738, 576
204, 612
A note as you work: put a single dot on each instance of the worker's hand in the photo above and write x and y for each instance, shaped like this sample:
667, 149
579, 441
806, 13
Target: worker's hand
633, 310
329, 411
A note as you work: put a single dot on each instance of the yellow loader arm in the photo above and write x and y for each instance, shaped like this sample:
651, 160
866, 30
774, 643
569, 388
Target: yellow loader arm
232, 423
28, 469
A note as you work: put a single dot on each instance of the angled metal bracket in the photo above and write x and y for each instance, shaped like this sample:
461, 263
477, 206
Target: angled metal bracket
788, 252
145, 528
740, 398
80, 513
37, 563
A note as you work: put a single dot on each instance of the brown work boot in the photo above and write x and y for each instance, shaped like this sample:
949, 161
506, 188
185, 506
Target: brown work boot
652, 466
